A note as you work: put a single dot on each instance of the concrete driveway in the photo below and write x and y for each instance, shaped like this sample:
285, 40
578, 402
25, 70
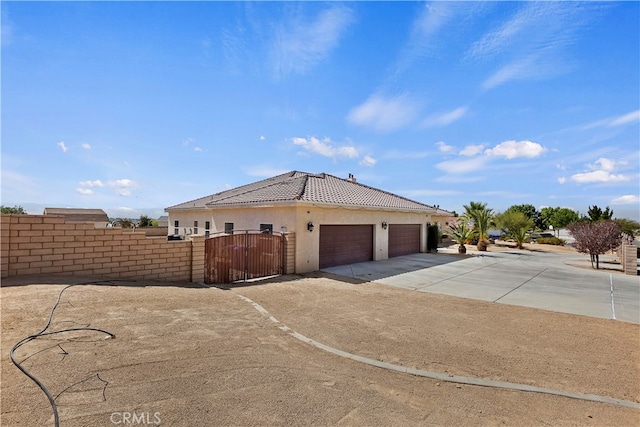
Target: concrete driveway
531, 279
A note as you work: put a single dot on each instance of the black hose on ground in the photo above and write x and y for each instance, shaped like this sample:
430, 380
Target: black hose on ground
42, 333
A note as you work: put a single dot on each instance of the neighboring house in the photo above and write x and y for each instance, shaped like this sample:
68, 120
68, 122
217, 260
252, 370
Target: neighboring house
336, 221
163, 221
97, 216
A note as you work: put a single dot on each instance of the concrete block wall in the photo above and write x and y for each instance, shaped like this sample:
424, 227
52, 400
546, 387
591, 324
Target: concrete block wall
628, 254
46, 244
289, 265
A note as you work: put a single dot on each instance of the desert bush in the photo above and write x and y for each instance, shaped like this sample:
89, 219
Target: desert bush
551, 241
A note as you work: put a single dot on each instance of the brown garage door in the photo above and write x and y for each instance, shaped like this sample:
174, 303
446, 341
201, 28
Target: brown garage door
345, 244
404, 239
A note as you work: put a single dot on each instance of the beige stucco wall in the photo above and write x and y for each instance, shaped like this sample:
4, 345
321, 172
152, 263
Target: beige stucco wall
294, 218
248, 218
308, 243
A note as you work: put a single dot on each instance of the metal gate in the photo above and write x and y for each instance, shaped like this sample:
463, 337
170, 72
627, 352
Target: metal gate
242, 256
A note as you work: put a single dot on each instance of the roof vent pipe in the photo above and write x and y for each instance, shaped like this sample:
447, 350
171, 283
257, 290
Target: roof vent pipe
351, 178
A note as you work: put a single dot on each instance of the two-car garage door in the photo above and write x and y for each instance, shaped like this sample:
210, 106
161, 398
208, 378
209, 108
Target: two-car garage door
348, 244
345, 244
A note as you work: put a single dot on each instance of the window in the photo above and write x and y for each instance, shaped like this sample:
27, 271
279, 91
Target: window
228, 227
207, 226
176, 227
195, 227
266, 228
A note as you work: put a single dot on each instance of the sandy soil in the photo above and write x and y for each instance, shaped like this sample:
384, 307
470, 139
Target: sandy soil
186, 356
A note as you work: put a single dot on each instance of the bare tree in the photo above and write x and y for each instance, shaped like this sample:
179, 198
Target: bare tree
595, 238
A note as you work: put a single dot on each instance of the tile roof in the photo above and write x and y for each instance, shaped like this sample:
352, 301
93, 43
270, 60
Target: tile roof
78, 214
313, 188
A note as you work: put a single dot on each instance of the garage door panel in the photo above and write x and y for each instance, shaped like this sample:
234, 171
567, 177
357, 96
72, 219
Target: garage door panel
345, 244
404, 239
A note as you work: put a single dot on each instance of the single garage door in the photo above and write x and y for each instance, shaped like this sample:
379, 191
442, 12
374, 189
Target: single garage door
345, 244
404, 239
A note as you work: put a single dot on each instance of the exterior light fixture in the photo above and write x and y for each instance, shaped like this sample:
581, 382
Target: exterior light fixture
384, 225
310, 226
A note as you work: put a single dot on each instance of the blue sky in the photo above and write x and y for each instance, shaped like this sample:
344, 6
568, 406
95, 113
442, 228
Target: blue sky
134, 107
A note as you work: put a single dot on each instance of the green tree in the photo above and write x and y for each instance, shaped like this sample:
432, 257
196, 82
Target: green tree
628, 226
145, 221
530, 212
14, 210
515, 225
481, 217
558, 217
597, 214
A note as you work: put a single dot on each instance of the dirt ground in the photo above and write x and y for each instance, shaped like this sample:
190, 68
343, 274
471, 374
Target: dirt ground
186, 355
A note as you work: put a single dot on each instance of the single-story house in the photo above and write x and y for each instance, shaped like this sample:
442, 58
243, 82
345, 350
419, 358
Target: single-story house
163, 221
335, 220
97, 216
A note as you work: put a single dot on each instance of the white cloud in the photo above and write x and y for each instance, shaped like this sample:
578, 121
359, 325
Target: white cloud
445, 118
384, 113
562, 180
463, 166
601, 171
62, 146
325, 147
604, 164
122, 187
96, 183
305, 44
444, 148
514, 149
86, 146
262, 137
198, 149
368, 161
472, 150
626, 200
84, 191
597, 176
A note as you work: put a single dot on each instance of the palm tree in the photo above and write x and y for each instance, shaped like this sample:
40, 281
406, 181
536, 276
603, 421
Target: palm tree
122, 223
461, 234
481, 217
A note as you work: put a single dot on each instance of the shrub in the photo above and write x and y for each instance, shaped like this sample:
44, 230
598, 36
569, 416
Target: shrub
551, 241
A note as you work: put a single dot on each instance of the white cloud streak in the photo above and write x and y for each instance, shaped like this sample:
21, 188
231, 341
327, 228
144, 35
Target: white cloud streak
385, 114
121, 187
445, 119
444, 147
625, 119
472, 150
299, 45
368, 161
533, 43
62, 146
325, 147
628, 199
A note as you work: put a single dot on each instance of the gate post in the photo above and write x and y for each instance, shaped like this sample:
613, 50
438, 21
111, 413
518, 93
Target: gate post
197, 258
